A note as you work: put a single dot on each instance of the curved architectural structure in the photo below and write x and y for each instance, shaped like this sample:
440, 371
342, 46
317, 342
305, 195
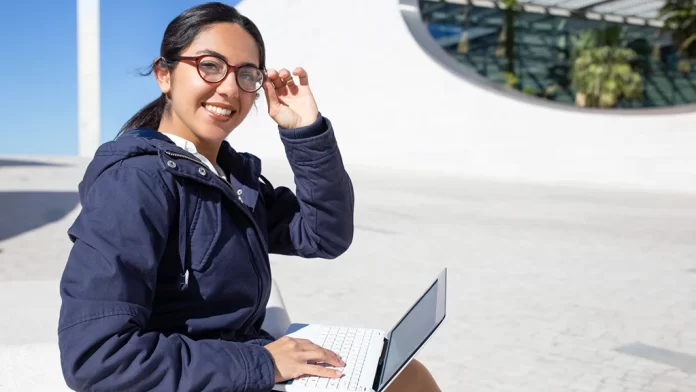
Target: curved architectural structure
546, 38
397, 104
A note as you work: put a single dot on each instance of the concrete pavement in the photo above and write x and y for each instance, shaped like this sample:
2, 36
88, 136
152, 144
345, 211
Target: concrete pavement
550, 288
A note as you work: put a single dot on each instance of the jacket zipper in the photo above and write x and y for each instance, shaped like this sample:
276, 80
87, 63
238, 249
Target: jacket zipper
246, 213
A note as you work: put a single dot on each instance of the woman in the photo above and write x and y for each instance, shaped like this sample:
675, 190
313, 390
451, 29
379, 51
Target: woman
166, 285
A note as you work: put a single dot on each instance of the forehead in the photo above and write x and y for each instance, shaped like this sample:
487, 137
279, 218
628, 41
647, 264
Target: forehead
228, 39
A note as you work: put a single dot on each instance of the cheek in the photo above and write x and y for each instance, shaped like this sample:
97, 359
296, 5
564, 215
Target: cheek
191, 89
246, 101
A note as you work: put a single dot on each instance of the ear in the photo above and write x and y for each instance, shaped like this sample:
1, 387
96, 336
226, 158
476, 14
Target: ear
162, 74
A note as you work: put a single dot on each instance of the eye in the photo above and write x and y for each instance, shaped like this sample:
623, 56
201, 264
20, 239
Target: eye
212, 65
247, 76
209, 66
250, 73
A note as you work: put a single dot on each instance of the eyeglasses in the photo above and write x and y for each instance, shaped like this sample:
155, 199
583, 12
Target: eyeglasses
213, 69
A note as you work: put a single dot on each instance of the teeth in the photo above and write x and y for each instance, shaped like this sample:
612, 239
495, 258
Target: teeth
218, 110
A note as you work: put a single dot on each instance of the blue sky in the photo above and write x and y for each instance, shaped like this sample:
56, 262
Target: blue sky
39, 69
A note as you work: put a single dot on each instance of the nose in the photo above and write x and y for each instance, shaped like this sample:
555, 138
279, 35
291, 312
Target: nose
228, 87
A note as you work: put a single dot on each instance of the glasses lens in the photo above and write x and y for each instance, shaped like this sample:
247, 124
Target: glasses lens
212, 69
249, 78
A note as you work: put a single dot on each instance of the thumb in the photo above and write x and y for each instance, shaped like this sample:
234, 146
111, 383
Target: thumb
271, 97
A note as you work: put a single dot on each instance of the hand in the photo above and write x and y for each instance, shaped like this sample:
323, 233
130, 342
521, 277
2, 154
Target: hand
293, 358
289, 104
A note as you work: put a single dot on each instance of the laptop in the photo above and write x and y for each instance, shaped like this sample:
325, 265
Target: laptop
373, 357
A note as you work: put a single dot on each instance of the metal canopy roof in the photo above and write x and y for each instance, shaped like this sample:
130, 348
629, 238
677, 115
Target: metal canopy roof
645, 9
639, 12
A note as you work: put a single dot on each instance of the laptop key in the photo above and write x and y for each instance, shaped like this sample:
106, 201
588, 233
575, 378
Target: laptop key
343, 384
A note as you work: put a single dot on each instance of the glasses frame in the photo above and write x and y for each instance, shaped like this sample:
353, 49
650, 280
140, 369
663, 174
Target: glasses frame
230, 67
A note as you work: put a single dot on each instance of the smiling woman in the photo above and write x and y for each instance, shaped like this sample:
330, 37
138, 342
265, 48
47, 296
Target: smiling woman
169, 277
170, 254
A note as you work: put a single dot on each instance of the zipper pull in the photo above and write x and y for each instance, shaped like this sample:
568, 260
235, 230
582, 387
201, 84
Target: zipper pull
184, 285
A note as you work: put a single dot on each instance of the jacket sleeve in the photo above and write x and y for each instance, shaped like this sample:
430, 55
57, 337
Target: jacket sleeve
107, 289
318, 221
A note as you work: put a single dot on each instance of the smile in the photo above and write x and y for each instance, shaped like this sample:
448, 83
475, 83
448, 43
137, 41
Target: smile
218, 110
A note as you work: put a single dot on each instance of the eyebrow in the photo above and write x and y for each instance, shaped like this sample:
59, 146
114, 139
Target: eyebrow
218, 54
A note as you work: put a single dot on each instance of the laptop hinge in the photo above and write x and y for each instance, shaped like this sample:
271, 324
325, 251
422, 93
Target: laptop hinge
380, 365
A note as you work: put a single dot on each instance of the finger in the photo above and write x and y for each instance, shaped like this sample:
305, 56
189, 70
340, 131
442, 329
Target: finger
271, 96
284, 73
287, 78
272, 74
331, 357
275, 79
319, 354
278, 83
308, 345
335, 360
302, 75
320, 371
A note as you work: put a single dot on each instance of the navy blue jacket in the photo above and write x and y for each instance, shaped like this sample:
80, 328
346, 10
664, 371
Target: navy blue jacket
167, 282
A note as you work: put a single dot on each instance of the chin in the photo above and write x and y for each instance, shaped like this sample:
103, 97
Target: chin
212, 134
216, 128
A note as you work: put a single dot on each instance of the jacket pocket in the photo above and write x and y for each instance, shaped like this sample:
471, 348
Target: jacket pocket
205, 229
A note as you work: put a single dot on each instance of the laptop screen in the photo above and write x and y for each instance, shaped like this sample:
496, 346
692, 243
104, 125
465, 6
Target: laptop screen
414, 329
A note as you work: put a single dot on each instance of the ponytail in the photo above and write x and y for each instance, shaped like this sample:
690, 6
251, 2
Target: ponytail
147, 117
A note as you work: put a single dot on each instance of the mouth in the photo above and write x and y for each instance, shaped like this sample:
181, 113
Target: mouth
218, 110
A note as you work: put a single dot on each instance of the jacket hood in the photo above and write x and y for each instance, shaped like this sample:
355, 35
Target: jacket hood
129, 144
139, 142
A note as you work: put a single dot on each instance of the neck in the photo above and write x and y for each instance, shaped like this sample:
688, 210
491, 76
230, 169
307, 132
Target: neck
171, 125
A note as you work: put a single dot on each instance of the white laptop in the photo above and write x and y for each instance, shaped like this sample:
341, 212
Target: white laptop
373, 358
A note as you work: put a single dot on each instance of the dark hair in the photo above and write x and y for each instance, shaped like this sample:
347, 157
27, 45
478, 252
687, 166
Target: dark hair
179, 34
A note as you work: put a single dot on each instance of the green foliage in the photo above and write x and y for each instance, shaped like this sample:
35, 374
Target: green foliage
510, 4
603, 75
511, 80
680, 18
529, 90
612, 36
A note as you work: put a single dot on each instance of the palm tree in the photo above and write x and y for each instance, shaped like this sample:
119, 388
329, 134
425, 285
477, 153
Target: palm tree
507, 36
680, 18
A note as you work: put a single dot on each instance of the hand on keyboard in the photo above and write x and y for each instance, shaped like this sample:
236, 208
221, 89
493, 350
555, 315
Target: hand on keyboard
295, 358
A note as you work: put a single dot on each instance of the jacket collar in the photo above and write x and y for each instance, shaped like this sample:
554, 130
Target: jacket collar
244, 169
241, 165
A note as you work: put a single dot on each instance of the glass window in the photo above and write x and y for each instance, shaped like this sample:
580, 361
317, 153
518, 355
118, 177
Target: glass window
571, 60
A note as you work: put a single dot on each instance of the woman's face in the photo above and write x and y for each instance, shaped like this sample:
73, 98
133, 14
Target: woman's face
210, 111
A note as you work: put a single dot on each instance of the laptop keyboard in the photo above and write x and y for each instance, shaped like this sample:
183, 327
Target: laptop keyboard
351, 345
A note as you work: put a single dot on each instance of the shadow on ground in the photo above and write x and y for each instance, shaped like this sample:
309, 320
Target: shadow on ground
18, 163
25, 211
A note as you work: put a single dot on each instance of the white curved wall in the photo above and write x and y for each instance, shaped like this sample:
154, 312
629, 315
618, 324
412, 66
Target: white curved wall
393, 106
